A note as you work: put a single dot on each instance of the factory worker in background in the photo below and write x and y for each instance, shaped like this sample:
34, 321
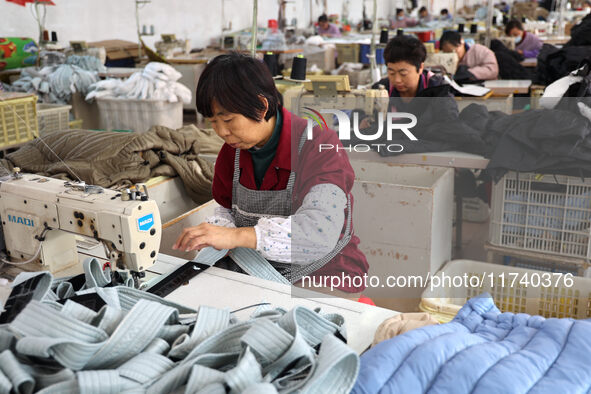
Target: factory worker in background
327, 29
477, 62
526, 43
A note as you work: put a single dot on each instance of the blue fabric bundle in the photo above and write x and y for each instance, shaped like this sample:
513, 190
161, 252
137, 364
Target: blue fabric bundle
483, 351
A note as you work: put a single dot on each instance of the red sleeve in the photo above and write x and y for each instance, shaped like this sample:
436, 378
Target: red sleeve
319, 167
222, 177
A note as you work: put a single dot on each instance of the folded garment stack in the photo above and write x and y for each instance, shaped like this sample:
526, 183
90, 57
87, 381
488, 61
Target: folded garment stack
55, 84
157, 81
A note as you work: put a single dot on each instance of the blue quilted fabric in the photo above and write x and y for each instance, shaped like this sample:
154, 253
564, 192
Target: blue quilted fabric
483, 351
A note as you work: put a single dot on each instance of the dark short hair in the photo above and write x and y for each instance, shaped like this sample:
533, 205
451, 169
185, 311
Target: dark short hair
422, 9
405, 49
323, 18
399, 10
513, 23
453, 37
444, 11
237, 82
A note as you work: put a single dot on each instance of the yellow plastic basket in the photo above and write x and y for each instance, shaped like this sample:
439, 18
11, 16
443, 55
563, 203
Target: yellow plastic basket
564, 297
18, 119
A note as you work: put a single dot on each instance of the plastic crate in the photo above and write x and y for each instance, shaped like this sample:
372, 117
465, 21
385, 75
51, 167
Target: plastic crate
543, 213
18, 119
535, 260
138, 115
559, 301
347, 53
53, 117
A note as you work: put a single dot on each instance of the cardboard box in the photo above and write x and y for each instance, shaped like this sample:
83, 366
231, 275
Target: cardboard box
117, 49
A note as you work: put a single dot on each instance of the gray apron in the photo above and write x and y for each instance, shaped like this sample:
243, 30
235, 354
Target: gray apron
248, 206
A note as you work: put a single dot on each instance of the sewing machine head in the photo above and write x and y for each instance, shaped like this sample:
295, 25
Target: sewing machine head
334, 92
42, 217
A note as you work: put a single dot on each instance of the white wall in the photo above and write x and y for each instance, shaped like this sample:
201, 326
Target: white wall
198, 20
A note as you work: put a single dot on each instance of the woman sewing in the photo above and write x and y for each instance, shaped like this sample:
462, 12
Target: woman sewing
271, 181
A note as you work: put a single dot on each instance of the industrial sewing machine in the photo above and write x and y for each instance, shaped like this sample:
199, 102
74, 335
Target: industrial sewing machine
42, 217
334, 92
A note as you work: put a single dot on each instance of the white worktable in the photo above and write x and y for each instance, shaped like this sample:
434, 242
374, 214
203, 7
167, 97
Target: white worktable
226, 289
437, 159
508, 86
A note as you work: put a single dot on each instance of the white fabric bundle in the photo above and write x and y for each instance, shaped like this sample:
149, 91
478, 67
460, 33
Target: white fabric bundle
157, 81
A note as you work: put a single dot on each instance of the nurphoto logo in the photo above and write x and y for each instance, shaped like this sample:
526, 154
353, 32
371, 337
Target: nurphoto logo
392, 124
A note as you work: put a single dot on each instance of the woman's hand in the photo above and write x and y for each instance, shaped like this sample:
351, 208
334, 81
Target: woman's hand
205, 234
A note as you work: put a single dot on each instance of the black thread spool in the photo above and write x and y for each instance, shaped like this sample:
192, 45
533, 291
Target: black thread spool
399, 32
298, 68
461, 27
384, 36
53, 36
473, 28
494, 22
523, 19
270, 59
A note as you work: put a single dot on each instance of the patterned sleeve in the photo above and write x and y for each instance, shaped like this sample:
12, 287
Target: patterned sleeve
309, 234
222, 217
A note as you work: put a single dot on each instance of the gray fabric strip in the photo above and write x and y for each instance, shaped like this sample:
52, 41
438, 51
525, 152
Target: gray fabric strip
78, 312
67, 387
5, 384
337, 367
246, 373
209, 321
202, 376
145, 367
22, 382
256, 265
139, 327
95, 276
44, 378
157, 346
6, 339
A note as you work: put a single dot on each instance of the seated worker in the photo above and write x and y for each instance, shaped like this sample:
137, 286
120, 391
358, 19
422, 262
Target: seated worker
424, 16
263, 199
407, 78
414, 90
402, 21
327, 29
444, 15
477, 62
527, 44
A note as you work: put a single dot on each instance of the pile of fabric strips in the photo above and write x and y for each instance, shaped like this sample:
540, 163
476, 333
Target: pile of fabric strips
55, 84
133, 341
157, 81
